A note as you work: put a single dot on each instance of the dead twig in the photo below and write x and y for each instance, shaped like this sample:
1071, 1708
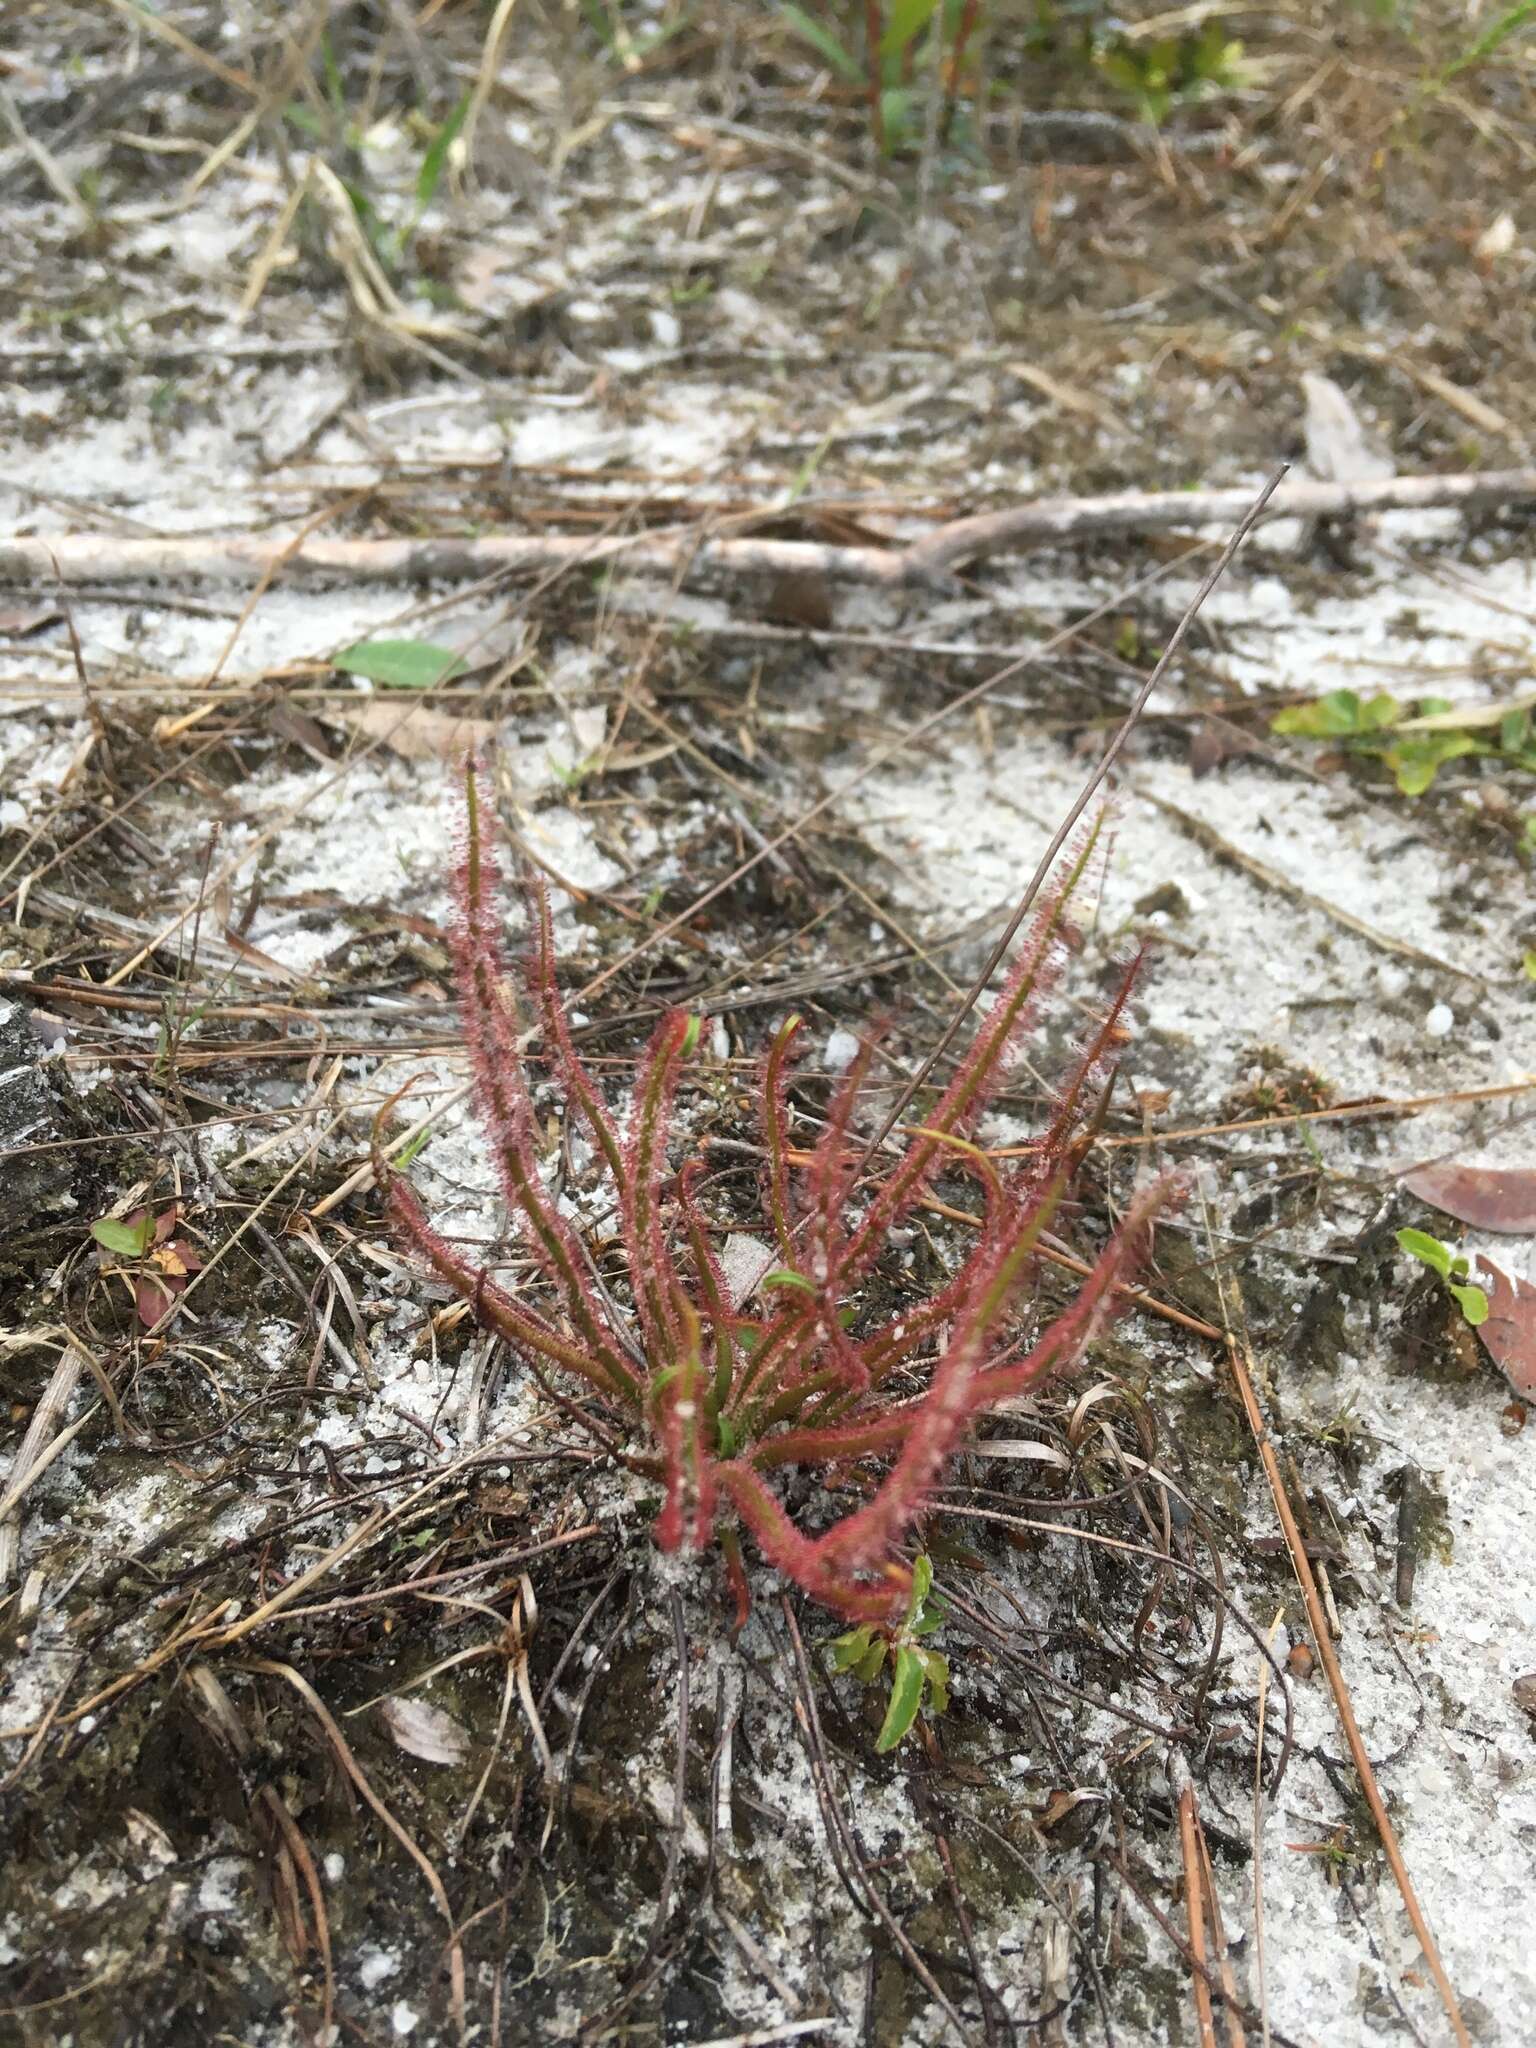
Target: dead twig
1403, 1105
407, 1842
1047, 522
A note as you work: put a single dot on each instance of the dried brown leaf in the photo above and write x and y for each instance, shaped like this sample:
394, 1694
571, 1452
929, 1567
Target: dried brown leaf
25, 619
420, 734
1487, 1197
800, 599
1509, 1332
423, 1730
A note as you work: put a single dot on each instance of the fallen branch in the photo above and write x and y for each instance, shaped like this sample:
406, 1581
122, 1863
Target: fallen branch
1123, 512
244, 558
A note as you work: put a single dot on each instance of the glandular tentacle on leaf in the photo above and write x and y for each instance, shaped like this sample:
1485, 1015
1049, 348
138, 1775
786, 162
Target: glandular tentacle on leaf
714, 1397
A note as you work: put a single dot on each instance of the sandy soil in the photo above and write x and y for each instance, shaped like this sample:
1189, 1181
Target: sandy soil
671, 296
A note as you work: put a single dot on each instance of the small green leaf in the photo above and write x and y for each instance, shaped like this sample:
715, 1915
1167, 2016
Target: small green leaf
1530, 966
725, 1436
936, 1668
1416, 762
1418, 1244
1514, 731
1414, 771
934, 1615
400, 664
922, 1586
906, 1698
437, 155
409, 1150
1379, 712
872, 1663
908, 19
1341, 714
1472, 1302
822, 40
783, 1277
690, 1037
848, 1650
128, 1240
896, 103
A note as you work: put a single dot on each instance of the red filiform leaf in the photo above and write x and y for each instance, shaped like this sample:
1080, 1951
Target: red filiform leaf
714, 1401
1487, 1197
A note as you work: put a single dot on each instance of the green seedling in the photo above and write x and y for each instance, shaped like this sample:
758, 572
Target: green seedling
1173, 70
914, 1671
1453, 1268
157, 1265
129, 1238
606, 20
1414, 744
412, 1149
892, 63
1510, 23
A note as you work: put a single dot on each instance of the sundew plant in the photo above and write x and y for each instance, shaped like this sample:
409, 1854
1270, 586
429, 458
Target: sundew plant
719, 1400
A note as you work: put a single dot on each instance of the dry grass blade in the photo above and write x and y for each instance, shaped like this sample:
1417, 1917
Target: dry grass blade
1257, 1834
1194, 1908
1322, 1638
296, 1849
43, 1440
359, 1778
1407, 1105
1084, 797
1235, 2035
845, 1852
156, 24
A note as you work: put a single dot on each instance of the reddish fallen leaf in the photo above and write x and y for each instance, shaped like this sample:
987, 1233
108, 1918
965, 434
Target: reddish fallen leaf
1487, 1197
1509, 1332
167, 1268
